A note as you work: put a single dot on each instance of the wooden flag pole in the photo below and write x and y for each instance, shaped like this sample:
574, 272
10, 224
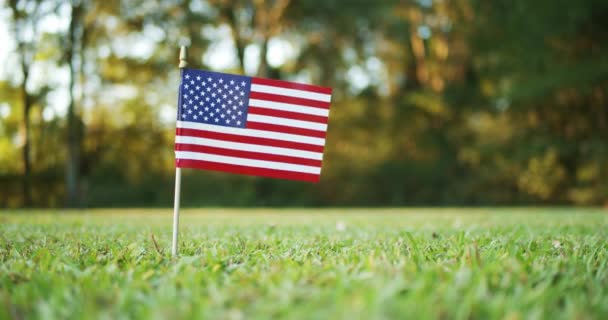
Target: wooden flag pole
178, 171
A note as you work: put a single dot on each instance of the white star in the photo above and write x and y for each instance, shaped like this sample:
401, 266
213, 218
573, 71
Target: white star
203, 93
231, 81
195, 97
218, 100
198, 78
209, 79
191, 81
200, 113
197, 88
217, 110
238, 122
233, 117
213, 94
184, 116
189, 111
240, 113
237, 87
187, 76
228, 112
224, 96
190, 101
213, 104
223, 116
242, 93
221, 80
224, 105
225, 86
217, 120
186, 86
191, 91
195, 107
234, 107
243, 83
206, 108
185, 96
241, 103
230, 91
212, 114
208, 89
230, 101
215, 85
220, 90
195, 117
227, 121
206, 118
204, 83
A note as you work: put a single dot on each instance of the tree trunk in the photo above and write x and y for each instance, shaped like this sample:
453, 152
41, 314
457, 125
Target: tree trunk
25, 62
231, 15
25, 129
263, 62
73, 139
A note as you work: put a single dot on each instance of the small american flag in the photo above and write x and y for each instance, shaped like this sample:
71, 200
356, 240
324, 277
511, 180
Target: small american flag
251, 126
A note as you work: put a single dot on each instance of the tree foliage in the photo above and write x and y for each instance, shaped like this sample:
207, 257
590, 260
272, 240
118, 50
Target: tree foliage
435, 102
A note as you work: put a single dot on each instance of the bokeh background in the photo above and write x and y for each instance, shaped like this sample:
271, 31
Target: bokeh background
436, 102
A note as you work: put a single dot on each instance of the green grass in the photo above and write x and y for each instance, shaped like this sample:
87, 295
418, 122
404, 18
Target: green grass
308, 264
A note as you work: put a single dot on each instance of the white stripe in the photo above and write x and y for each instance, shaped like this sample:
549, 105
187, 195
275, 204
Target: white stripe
287, 122
247, 162
252, 133
291, 92
249, 147
288, 107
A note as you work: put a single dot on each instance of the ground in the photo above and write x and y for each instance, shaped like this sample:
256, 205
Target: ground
308, 264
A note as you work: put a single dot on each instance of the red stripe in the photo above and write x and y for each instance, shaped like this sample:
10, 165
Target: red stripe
287, 99
280, 174
250, 140
285, 129
287, 114
246, 154
291, 85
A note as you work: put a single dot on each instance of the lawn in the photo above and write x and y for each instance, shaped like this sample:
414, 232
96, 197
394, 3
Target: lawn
308, 264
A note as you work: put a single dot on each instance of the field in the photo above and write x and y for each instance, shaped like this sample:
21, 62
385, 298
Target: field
308, 264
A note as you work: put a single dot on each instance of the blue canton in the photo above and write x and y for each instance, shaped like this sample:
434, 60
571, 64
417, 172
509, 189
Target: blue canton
214, 98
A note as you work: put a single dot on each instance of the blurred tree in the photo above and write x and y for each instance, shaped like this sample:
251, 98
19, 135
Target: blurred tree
434, 102
544, 66
74, 56
25, 17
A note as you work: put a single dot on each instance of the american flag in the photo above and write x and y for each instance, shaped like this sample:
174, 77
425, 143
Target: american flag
251, 126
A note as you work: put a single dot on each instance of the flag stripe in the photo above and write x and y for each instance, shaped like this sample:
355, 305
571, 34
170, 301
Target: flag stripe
285, 129
290, 92
290, 100
288, 107
287, 122
280, 174
251, 140
247, 154
247, 162
291, 85
249, 147
287, 115
253, 133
